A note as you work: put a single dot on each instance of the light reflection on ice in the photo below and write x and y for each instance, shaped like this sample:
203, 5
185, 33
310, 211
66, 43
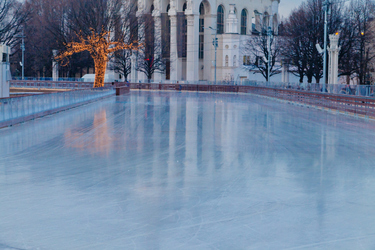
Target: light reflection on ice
165, 170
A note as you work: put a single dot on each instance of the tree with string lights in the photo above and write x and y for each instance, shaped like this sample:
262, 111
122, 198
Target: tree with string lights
100, 48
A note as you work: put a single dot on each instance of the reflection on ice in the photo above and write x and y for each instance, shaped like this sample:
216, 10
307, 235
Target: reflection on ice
165, 170
97, 140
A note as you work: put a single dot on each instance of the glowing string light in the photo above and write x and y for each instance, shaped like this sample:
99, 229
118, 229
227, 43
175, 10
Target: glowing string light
100, 48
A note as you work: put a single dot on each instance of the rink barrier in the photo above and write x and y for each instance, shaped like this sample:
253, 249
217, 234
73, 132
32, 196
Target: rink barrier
355, 105
357, 100
350, 104
122, 89
16, 110
53, 84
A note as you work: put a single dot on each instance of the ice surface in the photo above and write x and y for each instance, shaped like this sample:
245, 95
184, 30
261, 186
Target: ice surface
168, 170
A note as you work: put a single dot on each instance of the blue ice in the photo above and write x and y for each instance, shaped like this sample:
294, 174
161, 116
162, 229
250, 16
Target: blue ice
169, 170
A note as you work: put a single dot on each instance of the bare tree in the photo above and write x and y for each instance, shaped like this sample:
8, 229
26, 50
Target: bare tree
121, 62
302, 31
74, 19
13, 15
150, 59
257, 47
363, 53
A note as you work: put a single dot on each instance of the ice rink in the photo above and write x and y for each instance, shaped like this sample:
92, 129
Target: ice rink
169, 170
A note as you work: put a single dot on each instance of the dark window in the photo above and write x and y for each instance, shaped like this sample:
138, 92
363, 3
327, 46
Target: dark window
201, 19
220, 20
184, 7
246, 60
201, 9
184, 43
166, 34
243, 22
201, 24
201, 46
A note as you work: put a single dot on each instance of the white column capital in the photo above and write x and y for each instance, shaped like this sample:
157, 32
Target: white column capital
173, 20
190, 20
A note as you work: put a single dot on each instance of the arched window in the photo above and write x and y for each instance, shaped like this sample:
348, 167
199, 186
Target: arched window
201, 9
234, 61
201, 18
220, 19
266, 21
226, 60
184, 6
168, 7
243, 22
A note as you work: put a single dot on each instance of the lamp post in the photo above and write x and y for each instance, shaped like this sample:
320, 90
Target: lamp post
325, 9
215, 44
23, 53
269, 34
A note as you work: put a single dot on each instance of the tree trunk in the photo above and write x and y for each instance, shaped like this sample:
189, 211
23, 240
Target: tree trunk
100, 67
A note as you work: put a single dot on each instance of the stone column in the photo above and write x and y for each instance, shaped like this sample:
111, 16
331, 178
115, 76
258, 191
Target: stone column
158, 76
133, 72
175, 72
285, 72
192, 63
141, 37
333, 58
55, 66
5, 75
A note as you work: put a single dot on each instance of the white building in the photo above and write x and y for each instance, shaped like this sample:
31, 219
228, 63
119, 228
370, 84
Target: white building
185, 31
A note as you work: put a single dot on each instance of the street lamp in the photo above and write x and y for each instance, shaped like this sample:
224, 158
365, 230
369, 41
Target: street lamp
23, 53
215, 44
325, 9
269, 34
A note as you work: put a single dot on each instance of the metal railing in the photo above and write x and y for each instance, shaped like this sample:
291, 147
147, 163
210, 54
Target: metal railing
343, 89
16, 108
66, 79
49, 84
359, 90
52, 84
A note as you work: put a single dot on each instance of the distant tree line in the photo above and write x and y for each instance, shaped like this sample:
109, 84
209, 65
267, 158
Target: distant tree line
299, 33
50, 24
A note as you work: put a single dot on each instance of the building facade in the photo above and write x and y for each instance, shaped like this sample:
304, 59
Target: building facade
187, 31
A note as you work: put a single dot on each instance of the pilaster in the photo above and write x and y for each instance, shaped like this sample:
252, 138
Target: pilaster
158, 76
333, 58
134, 72
192, 65
175, 70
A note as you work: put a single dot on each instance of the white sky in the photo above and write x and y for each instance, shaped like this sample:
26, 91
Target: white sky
286, 6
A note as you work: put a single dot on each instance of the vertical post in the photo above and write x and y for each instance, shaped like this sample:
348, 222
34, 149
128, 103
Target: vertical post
325, 8
215, 44
269, 53
55, 66
23, 54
